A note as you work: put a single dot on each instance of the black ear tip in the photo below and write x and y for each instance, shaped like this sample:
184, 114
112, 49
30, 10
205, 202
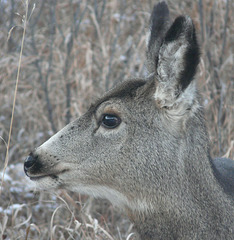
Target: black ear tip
160, 9
160, 17
160, 5
185, 22
183, 25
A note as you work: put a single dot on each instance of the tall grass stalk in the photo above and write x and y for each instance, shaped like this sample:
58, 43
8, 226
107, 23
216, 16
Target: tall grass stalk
15, 93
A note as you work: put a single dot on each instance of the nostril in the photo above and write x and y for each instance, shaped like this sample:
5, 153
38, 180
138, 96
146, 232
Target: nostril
29, 162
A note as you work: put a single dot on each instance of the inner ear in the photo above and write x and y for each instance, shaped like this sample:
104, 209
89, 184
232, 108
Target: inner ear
178, 56
176, 65
182, 32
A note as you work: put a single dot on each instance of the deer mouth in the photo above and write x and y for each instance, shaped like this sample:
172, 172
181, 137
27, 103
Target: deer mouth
52, 175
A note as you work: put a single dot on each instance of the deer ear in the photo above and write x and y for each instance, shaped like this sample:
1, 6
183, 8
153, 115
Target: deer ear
176, 63
159, 24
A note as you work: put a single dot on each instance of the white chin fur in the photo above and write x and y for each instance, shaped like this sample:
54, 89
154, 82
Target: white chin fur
115, 197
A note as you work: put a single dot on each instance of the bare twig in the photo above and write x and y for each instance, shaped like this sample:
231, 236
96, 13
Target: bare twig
210, 30
114, 44
98, 14
224, 33
220, 113
73, 35
200, 7
222, 92
44, 84
50, 61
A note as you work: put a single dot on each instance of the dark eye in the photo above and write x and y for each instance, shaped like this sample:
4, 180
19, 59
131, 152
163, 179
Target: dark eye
110, 121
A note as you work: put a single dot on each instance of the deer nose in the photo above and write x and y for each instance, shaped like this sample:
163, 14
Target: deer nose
29, 162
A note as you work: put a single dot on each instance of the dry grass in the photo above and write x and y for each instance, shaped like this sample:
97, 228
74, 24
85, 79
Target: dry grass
74, 51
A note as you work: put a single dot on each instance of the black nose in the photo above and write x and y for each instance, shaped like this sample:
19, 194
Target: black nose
29, 162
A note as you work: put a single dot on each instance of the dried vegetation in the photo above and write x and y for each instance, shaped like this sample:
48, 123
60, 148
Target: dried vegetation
74, 51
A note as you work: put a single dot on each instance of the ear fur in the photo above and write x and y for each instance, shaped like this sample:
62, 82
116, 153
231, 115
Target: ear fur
159, 24
173, 56
179, 54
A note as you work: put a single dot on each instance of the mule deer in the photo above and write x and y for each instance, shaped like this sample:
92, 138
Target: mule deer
144, 146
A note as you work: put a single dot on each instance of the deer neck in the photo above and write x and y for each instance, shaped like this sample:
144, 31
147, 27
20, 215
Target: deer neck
198, 204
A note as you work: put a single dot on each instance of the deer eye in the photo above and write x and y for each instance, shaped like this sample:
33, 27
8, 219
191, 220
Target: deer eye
110, 121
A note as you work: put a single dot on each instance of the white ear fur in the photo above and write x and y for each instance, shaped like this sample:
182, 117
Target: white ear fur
170, 65
171, 61
176, 62
177, 108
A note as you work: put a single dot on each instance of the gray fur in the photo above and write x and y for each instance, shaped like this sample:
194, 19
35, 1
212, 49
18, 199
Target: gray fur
156, 164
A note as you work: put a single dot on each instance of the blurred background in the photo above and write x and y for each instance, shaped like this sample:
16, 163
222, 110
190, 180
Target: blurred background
73, 52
